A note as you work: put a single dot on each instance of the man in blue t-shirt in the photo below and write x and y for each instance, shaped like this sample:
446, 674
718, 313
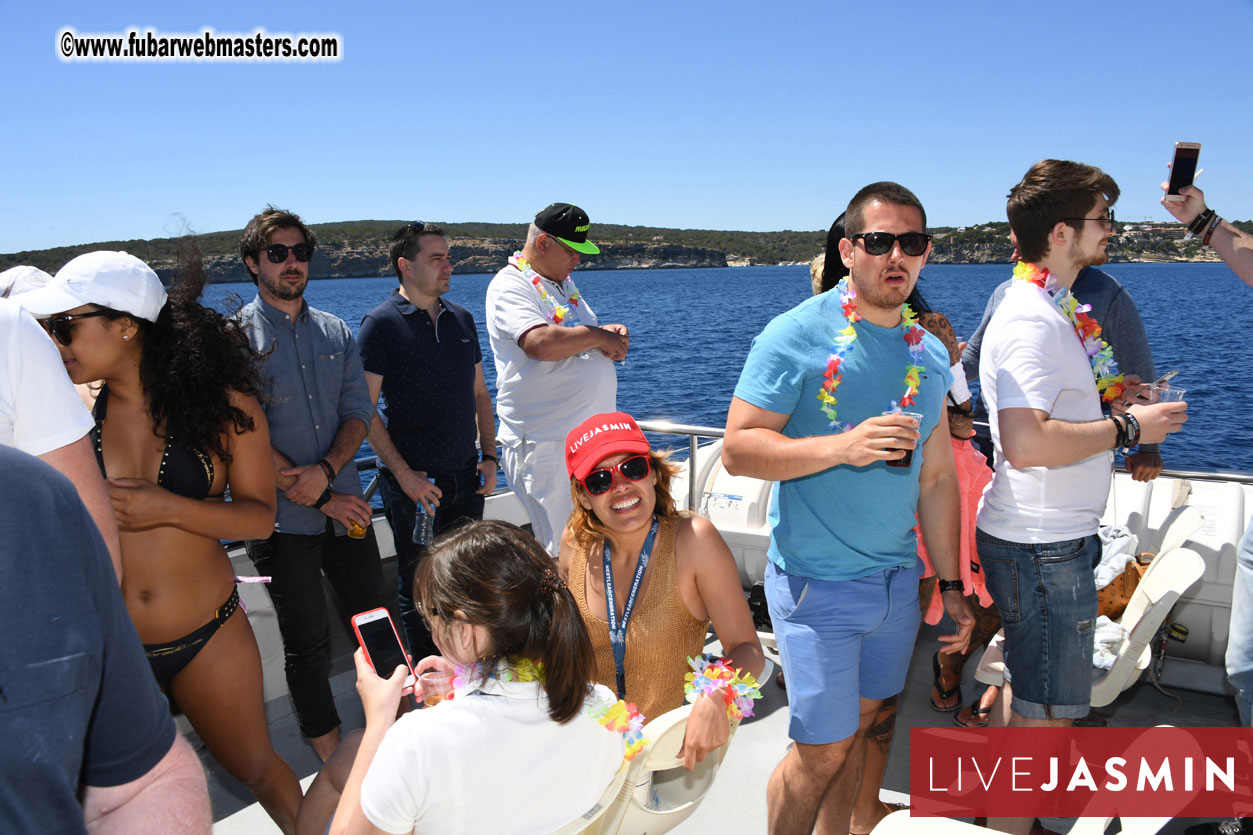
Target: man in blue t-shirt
88, 738
422, 353
842, 583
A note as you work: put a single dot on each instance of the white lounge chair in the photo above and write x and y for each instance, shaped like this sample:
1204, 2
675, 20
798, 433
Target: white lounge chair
1169, 575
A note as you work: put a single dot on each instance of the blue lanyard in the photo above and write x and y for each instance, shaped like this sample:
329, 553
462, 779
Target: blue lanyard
617, 631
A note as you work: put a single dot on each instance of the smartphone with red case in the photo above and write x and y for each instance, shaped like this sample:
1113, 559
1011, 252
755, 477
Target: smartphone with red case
376, 632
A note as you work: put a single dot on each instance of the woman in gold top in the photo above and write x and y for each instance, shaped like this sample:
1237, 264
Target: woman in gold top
669, 577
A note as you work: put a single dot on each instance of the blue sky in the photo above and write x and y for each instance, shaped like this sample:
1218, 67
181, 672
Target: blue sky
722, 115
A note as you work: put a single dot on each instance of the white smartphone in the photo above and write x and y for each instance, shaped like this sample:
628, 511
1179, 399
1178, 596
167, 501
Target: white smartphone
1182, 169
376, 632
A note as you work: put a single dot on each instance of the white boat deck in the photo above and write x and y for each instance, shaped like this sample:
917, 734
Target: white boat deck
738, 794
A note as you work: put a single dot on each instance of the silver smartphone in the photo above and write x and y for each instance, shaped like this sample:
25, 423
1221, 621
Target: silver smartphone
1182, 169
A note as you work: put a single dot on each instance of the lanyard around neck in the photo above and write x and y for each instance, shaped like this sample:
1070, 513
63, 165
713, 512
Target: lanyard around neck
617, 631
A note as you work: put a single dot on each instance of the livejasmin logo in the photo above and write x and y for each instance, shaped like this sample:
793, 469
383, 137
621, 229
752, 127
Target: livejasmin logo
614, 426
1081, 772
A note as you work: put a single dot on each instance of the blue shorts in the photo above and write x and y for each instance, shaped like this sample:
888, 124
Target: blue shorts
841, 641
1047, 597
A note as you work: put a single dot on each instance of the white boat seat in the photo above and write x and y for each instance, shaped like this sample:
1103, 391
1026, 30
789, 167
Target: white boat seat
659, 792
1169, 575
589, 824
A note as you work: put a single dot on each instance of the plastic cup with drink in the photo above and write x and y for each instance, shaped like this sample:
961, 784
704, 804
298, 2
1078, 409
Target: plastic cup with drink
436, 685
908, 459
1163, 393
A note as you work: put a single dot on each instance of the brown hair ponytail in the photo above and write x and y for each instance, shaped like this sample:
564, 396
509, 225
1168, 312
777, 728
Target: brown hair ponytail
497, 576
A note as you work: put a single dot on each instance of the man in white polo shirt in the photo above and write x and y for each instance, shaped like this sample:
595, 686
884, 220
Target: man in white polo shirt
554, 363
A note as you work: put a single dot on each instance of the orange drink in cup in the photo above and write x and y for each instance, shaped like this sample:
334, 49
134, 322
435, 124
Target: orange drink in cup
435, 687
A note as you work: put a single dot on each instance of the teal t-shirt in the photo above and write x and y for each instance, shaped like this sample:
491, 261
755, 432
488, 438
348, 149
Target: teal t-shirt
844, 522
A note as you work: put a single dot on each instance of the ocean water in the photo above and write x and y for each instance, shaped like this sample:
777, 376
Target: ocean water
691, 330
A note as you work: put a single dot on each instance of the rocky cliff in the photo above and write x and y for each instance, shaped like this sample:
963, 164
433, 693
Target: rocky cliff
470, 256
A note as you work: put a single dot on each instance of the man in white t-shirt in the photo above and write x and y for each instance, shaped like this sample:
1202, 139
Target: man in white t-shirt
554, 363
42, 415
1044, 386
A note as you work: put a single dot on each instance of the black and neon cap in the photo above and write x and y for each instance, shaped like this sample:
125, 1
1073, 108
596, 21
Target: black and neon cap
569, 224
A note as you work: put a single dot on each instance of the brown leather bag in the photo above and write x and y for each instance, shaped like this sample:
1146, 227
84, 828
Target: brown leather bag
1113, 599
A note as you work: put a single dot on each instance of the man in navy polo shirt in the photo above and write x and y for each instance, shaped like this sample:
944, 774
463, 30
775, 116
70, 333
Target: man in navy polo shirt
422, 352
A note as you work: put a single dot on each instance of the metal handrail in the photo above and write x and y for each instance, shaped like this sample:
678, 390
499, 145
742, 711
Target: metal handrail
693, 433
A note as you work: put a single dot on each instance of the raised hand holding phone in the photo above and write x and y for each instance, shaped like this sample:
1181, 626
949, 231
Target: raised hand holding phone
1182, 170
381, 644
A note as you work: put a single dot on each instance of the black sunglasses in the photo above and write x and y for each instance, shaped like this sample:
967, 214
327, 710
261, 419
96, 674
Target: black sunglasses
61, 326
599, 481
1106, 220
277, 253
880, 243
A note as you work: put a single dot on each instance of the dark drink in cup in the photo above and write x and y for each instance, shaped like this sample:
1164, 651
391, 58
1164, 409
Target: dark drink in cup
908, 459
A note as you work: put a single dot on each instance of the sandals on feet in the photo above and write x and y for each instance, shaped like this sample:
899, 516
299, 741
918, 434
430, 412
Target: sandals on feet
955, 690
975, 716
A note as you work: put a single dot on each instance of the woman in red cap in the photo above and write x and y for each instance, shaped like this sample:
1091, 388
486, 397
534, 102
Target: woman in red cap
669, 577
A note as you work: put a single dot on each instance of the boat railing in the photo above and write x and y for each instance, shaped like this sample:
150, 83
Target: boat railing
696, 433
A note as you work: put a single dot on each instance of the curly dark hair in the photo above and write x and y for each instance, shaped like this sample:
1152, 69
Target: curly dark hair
191, 358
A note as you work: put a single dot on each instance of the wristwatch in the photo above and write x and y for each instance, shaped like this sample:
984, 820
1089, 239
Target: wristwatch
951, 585
486, 457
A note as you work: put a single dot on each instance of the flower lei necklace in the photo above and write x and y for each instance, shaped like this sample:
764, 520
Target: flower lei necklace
1109, 384
844, 341
557, 313
613, 714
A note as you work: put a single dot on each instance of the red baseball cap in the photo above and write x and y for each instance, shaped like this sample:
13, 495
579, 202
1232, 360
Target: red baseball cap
600, 436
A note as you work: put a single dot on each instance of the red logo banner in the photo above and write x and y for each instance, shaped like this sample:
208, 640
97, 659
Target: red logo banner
1081, 772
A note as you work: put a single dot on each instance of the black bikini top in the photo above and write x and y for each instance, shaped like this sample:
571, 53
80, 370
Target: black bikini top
184, 472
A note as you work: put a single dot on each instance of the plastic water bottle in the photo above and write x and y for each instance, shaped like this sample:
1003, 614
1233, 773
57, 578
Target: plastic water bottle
423, 524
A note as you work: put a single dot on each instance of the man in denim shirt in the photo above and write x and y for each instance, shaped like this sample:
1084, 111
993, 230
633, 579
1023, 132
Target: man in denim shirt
318, 408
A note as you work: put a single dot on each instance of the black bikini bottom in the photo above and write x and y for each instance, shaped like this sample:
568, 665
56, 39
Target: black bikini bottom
167, 660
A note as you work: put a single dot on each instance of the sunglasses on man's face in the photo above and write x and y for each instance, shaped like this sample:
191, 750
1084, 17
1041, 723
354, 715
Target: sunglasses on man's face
277, 253
880, 243
61, 327
599, 481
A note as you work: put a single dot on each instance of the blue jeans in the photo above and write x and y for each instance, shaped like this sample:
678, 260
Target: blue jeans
1240, 634
1047, 598
459, 501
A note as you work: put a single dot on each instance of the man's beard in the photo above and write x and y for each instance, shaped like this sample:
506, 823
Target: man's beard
281, 289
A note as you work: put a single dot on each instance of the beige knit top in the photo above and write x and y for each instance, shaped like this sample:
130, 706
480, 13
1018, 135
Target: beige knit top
660, 637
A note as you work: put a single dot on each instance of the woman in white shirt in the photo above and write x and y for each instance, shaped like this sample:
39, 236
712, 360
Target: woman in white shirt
523, 743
